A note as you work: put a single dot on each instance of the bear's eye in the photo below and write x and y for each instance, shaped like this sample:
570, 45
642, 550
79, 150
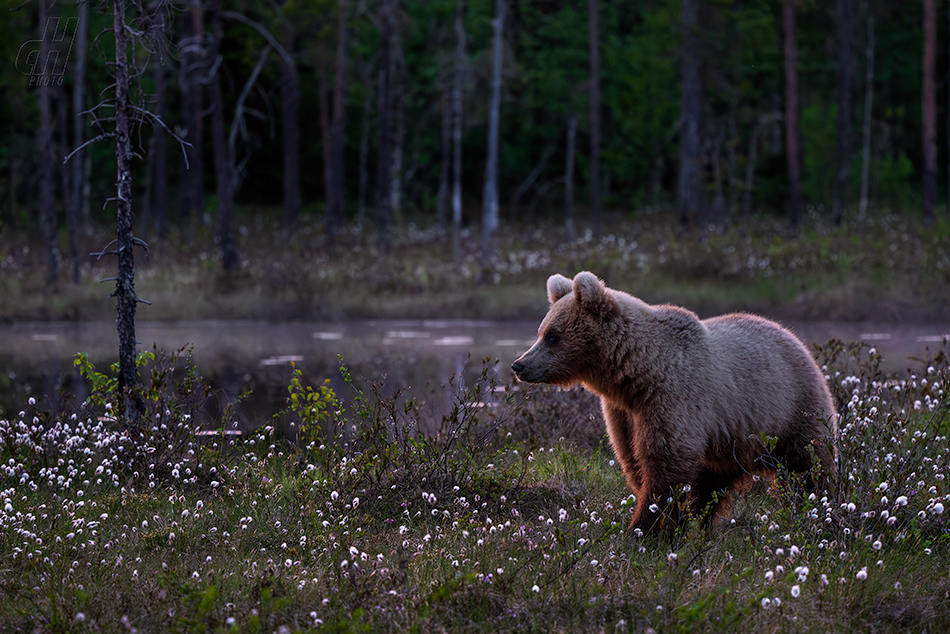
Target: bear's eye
551, 338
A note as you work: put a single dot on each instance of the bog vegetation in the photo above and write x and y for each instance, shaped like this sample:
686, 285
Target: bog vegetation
890, 267
339, 515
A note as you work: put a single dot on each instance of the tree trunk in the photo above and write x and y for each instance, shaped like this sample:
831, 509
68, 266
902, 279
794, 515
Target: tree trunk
324, 108
866, 123
77, 173
364, 161
751, 160
457, 78
190, 80
45, 147
290, 106
792, 114
384, 163
530, 179
490, 195
594, 37
222, 160
125, 281
445, 166
718, 209
159, 198
844, 10
569, 178
690, 189
399, 136
928, 109
337, 180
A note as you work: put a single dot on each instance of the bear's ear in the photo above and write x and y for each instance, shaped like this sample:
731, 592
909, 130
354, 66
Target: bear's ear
558, 287
590, 293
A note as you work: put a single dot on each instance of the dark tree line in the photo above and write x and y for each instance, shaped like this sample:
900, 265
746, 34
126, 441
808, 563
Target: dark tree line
711, 109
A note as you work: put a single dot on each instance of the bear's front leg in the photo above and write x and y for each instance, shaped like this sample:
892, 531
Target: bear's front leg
658, 508
665, 466
620, 430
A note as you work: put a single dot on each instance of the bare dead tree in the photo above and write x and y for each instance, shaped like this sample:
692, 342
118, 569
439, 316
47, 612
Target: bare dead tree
126, 298
148, 27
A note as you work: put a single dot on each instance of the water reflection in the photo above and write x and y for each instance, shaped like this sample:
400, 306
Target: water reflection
241, 356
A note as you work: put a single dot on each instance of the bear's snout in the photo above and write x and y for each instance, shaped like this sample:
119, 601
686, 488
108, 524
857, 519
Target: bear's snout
522, 372
528, 372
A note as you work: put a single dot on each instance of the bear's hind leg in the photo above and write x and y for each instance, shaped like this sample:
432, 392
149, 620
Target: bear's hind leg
802, 460
712, 494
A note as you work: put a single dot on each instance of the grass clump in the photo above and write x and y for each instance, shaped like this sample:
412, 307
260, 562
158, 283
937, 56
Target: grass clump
346, 513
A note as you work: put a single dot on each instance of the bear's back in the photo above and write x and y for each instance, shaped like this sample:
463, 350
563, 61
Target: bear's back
771, 372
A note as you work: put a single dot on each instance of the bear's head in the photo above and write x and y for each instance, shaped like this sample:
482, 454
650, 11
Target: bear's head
570, 338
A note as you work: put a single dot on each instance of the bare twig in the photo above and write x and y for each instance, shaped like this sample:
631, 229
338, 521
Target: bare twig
264, 32
101, 137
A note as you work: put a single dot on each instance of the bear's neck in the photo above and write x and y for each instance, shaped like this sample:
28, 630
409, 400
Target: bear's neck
631, 372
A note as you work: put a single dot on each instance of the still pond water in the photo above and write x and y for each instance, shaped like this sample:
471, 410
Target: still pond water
237, 356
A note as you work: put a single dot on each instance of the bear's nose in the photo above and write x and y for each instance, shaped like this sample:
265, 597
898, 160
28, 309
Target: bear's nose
517, 367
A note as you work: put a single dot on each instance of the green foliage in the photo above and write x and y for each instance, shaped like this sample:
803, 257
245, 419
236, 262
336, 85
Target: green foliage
546, 80
162, 395
315, 408
103, 385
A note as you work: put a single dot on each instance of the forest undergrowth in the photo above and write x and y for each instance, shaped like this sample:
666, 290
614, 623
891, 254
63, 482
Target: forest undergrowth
890, 267
341, 515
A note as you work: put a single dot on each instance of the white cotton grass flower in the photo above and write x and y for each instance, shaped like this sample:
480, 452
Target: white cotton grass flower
862, 574
796, 591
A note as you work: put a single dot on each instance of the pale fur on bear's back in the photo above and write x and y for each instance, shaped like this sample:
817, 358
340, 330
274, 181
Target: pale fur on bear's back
686, 401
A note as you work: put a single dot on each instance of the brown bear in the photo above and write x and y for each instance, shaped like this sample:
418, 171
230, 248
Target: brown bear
686, 401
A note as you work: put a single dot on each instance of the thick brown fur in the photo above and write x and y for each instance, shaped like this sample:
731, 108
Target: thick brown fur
686, 401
